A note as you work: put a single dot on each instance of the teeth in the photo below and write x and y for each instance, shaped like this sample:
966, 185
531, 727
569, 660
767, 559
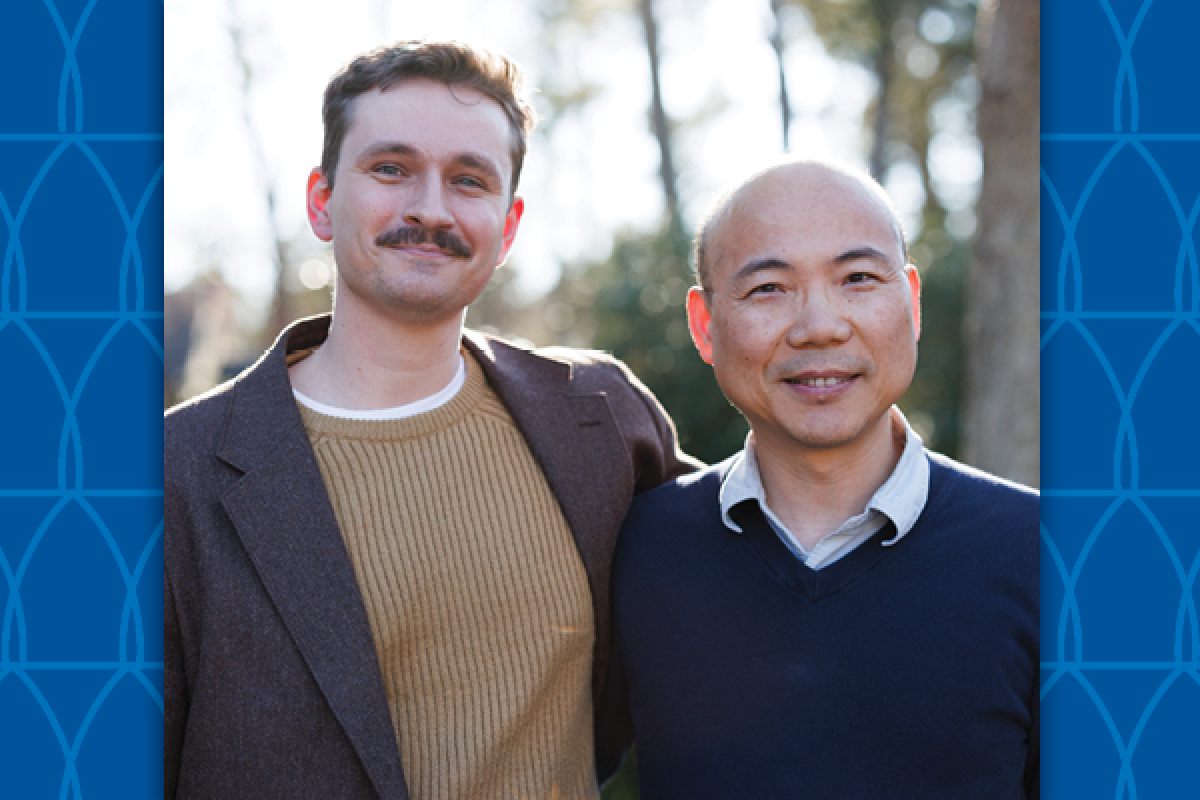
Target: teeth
821, 382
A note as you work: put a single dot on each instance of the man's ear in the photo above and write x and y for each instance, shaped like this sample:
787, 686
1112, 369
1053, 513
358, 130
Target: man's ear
512, 220
318, 205
914, 291
699, 318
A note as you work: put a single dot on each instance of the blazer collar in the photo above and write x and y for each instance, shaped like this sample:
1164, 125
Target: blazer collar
577, 442
281, 511
572, 435
263, 413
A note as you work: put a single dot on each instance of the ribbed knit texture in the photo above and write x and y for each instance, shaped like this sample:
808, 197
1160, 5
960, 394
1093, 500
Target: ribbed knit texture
476, 595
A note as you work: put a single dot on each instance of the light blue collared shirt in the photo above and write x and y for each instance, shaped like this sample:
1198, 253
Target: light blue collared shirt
901, 499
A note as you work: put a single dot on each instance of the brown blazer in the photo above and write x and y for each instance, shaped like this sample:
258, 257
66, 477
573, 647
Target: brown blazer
272, 685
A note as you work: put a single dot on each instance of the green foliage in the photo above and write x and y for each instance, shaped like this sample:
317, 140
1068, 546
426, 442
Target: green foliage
638, 316
932, 401
624, 784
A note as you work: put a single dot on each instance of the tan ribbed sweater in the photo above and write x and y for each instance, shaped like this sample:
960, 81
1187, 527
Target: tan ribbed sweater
476, 596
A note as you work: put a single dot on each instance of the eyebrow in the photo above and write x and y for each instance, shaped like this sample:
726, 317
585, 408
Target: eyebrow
473, 161
865, 251
386, 149
759, 265
465, 159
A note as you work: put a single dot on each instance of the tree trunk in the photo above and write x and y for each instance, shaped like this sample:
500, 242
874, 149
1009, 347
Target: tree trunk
785, 107
885, 66
658, 116
1001, 427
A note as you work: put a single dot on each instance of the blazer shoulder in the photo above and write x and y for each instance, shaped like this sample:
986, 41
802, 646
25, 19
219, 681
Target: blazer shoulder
593, 370
192, 430
589, 370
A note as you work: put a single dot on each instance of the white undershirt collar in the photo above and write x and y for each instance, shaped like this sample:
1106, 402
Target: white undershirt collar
396, 412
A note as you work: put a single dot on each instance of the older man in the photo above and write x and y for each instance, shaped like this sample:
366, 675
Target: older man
387, 544
834, 612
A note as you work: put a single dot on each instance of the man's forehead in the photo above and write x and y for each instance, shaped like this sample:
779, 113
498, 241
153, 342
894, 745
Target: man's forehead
809, 195
421, 100
428, 116
815, 201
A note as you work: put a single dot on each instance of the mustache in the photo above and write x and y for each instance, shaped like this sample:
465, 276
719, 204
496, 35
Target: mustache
445, 241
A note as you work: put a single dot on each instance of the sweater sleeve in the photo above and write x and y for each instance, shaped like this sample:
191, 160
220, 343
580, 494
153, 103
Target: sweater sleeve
1033, 760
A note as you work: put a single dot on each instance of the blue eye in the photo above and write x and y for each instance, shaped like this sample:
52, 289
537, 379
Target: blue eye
474, 183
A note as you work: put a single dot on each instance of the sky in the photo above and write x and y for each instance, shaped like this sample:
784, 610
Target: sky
595, 174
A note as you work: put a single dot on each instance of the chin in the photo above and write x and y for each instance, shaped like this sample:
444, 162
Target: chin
430, 301
826, 436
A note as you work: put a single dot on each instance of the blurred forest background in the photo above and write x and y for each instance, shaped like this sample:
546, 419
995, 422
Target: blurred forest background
648, 108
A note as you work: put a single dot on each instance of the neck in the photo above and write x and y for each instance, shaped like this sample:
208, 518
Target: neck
371, 361
813, 491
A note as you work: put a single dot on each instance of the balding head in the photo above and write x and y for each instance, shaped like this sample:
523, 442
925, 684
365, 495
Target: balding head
796, 184
809, 313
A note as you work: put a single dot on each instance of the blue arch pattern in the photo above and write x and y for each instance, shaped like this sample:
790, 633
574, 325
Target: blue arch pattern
80, 330
1121, 553
1120, 379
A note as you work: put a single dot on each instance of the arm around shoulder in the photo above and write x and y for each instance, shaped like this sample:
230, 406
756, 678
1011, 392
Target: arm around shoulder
660, 458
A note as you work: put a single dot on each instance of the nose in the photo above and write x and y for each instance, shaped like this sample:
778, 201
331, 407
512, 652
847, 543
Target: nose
819, 322
426, 206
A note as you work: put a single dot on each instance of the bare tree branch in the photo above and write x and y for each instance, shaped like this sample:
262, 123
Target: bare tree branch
785, 108
658, 116
280, 313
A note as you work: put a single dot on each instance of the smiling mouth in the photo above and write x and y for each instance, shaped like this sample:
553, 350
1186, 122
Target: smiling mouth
822, 386
820, 383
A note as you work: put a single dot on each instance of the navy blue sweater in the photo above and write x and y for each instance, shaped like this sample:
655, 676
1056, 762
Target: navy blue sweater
907, 671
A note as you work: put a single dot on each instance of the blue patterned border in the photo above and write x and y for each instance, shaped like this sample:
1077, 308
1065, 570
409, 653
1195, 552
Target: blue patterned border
81, 202
81, 343
1120, 381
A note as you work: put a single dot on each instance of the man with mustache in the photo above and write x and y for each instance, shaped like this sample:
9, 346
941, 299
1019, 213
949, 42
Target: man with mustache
833, 612
388, 543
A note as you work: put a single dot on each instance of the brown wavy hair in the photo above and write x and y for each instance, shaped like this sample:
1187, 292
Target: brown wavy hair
451, 63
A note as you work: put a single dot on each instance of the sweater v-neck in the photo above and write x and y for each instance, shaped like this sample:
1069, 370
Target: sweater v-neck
815, 585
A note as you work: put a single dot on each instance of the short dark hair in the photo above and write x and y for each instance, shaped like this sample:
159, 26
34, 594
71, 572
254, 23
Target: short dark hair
451, 63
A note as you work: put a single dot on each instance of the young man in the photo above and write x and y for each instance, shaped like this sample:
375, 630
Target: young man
388, 543
833, 612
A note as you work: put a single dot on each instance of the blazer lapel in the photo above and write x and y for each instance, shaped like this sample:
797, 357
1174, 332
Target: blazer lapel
282, 513
574, 438
581, 451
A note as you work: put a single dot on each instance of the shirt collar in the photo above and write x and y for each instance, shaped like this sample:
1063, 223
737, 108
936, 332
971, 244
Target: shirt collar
901, 497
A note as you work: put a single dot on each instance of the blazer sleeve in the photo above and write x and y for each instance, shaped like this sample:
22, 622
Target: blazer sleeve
662, 460
614, 722
175, 696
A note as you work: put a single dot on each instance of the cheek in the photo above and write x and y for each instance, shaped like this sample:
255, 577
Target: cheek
749, 337
895, 342
741, 353
484, 225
